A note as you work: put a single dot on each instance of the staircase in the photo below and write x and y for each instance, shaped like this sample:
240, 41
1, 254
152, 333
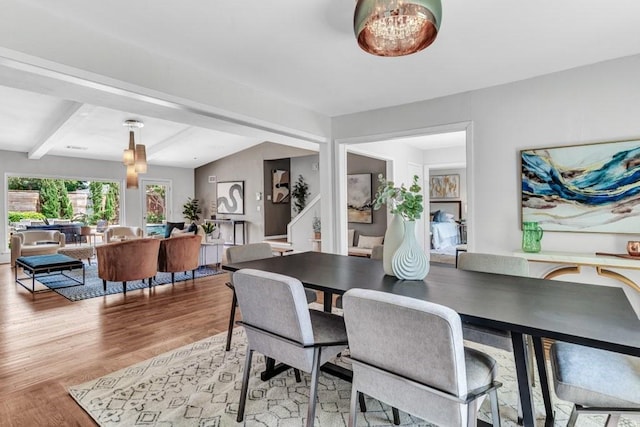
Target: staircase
299, 231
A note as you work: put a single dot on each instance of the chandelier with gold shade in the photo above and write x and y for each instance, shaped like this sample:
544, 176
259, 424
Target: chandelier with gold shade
396, 27
135, 156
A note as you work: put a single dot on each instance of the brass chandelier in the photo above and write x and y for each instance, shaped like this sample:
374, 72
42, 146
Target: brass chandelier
135, 156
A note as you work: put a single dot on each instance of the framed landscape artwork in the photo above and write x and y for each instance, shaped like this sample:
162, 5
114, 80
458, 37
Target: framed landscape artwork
585, 188
230, 197
359, 206
280, 183
444, 186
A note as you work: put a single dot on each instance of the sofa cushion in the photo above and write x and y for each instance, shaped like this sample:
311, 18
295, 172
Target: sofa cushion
170, 226
368, 242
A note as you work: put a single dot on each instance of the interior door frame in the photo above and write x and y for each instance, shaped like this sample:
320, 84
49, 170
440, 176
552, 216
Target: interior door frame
143, 198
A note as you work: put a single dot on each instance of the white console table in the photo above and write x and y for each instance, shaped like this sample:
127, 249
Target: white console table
571, 262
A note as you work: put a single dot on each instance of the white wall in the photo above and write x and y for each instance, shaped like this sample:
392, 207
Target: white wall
594, 103
73, 168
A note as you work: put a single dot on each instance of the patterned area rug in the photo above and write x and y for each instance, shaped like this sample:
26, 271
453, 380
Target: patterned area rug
199, 385
93, 284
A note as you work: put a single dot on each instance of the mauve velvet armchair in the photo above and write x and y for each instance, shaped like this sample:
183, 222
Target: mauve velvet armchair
128, 260
179, 253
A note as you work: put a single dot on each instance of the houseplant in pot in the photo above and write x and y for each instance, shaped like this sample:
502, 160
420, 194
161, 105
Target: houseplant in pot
209, 228
191, 210
409, 260
85, 228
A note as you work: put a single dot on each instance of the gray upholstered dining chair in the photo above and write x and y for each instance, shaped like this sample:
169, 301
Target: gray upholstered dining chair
410, 354
250, 252
596, 381
280, 325
500, 264
490, 263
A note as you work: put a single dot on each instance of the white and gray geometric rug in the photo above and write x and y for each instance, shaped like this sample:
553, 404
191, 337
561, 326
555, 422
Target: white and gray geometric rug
199, 385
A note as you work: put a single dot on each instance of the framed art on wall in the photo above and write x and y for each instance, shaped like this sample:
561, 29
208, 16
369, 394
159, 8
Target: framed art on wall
280, 183
587, 188
359, 206
444, 186
230, 197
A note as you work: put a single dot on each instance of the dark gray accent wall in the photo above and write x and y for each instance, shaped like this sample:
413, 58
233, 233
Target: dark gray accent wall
276, 215
361, 164
247, 166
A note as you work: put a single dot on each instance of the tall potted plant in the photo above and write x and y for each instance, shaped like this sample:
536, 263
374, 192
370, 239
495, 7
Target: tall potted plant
191, 209
299, 194
409, 260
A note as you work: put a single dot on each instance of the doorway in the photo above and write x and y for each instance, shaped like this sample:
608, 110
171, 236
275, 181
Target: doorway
157, 196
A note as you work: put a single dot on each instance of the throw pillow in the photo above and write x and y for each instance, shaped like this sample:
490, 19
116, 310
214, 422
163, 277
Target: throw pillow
368, 242
170, 226
350, 237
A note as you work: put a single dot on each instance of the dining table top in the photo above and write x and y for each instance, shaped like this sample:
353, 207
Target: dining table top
593, 315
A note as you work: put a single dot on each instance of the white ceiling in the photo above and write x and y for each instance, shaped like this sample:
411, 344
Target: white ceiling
303, 52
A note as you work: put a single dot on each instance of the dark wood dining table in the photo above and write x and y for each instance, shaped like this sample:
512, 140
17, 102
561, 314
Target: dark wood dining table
591, 315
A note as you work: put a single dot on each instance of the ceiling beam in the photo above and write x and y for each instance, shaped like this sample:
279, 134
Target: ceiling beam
70, 115
167, 142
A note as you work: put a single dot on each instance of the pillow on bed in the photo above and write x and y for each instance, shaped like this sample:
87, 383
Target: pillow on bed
350, 236
368, 242
439, 216
449, 217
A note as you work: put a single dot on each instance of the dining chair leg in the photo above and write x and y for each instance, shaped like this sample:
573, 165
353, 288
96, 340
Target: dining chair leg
232, 317
363, 405
573, 417
472, 414
495, 408
612, 420
104, 283
315, 374
396, 416
124, 288
353, 407
173, 278
245, 386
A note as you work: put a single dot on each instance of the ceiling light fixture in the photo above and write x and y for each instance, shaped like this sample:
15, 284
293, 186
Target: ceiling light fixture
396, 27
135, 156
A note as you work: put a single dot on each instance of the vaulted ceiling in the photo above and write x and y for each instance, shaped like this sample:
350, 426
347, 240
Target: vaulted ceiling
302, 53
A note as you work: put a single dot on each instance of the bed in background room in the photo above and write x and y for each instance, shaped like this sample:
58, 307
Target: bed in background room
445, 225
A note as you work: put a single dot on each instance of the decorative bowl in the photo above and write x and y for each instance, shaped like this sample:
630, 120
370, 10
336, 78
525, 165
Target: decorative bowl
633, 247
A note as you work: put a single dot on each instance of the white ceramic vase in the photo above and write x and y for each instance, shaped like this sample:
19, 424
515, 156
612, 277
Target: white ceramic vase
410, 262
392, 240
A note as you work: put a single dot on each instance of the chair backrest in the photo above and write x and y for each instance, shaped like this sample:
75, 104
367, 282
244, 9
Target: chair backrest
179, 253
128, 260
101, 225
249, 252
415, 339
258, 289
489, 263
123, 231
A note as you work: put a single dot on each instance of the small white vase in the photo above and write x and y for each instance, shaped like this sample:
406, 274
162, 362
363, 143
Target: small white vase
392, 240
410, 262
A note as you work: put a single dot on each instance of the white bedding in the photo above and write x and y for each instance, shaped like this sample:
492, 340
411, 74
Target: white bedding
444, 234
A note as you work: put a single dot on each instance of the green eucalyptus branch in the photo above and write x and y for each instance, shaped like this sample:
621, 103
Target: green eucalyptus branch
400, 200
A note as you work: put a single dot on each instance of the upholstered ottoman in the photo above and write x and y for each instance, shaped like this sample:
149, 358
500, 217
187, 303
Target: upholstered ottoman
78, 252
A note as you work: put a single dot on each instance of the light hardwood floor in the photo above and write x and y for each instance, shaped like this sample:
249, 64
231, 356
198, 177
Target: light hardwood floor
48, 343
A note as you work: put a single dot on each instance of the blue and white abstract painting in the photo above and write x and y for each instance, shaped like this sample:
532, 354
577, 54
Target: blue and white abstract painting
586, 188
